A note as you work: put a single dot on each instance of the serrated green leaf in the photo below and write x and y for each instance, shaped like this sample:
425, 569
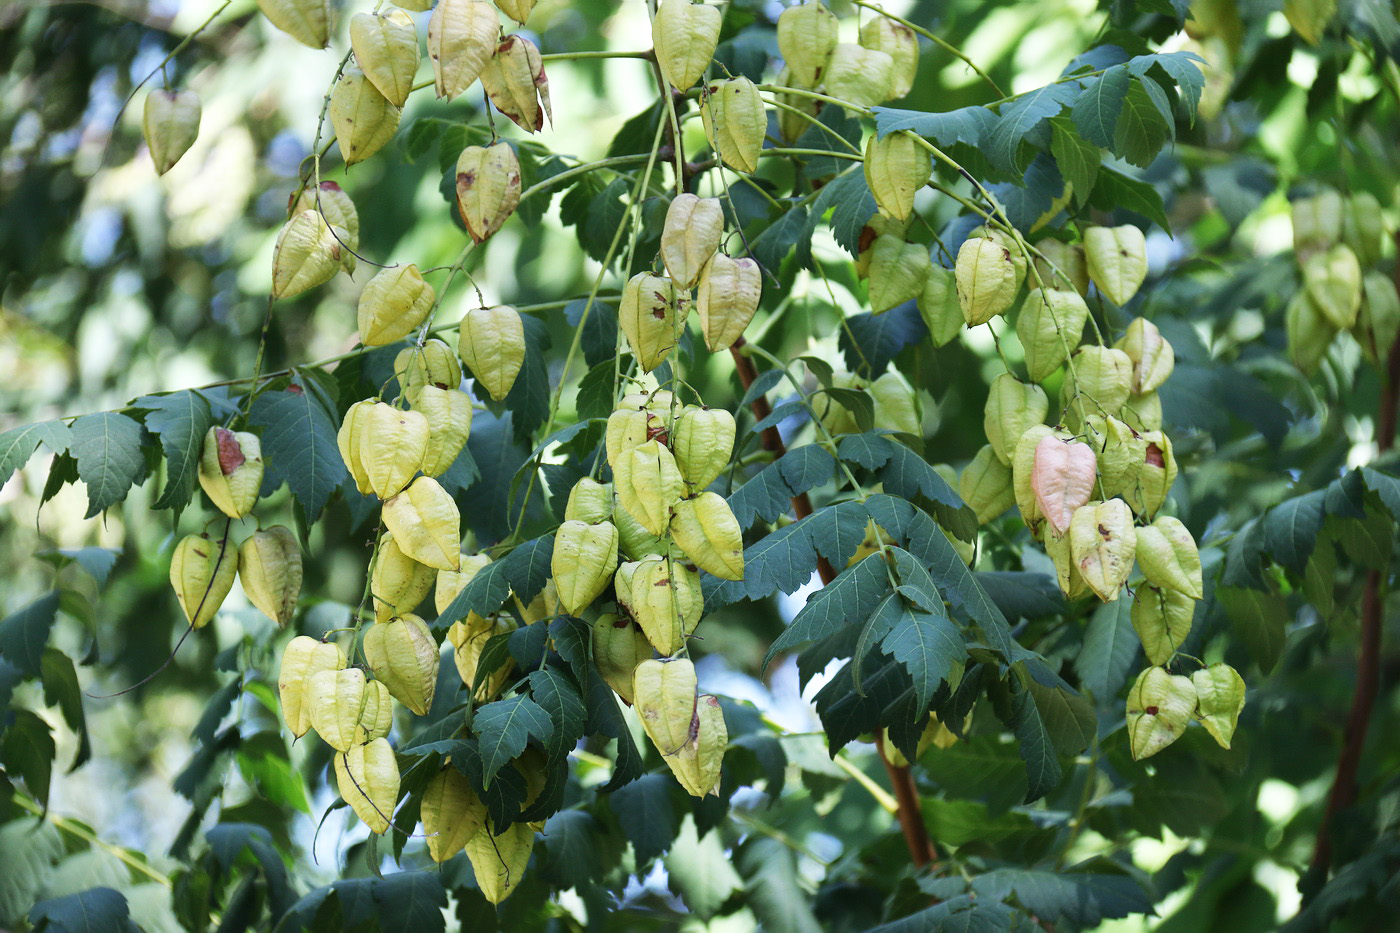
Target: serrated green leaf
1141, 131
1115, 191
27, 751
646, 815
96, 910
1043, 770
1018, 118
61, 689
1258, 619
1095, 113
1077, 159
503, 729
17, 445
1291, 529
930, 647
180, 420
25, 633
969, 125
560, 699
298, 446
107, 448
845, 601
1078, 898
1108, 651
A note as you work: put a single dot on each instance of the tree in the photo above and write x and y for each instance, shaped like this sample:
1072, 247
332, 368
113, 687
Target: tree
974, 394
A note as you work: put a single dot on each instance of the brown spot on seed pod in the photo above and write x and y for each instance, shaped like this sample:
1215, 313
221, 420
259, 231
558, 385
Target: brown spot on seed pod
1105, 533
1150, 710
230, 452
465, 180
1154, 456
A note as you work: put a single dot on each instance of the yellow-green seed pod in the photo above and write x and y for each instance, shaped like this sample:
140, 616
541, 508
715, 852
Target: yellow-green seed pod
394, 303
1168, 558
684, 35
735, 122
864, 77
269, 567
1155, 476
1333, 282
1063, 266
690, 236
875, 535
449, 415
515, 81
545, 605
1220, 696
1152, 356
451, 582
367, 777
1007, 242
469, 638
352, 428
364, 119
518, 10
1309, 333
346, 709
201, 573
589, 501
652, 314
488, 187
1101, 377
1062, 478
663, 595
403, 655
986, 487
1160, 706
688, 730
1378, 321
170, 124
1067, 575
899, 42
630, 427
231, 470
302, 658
1012, 407
461, 38
1143, 412
1103, 542
307, 21
338, 210
1117, 260
492, 344
1364, 227
583, 563
896, 406
307, 254
636, 542
939, 307
386, 48
424, 521
452, 814
986, 279
1317, 223
705, 528
1162, 620
648, 482
1022, 474
806, 36
499, 861
727, 299
1050, 326
398, 583
791, 122
1120, 452
896, 168
898, 271
432, 364
392, 442
835, 417
619, 645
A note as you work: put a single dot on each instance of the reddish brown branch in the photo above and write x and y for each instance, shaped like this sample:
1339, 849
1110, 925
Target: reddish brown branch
910, 814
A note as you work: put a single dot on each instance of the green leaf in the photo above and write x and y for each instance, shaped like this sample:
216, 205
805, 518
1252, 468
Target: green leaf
527, 567
1142, 131
61, 689
27, 751
981, 767
968, 125
776, 896
1291, 529
1095, 113
595, 392
504, 728
644, 811
805, 468
1109, 649
847, 600
771, 246
783, 560
870, 342
483, 595
908, 476
107, 447
298, 446
1068, 717
1043, 771
868, 450
96, 910
599, 336
1083, 900
930, 647
698, 868
25, 633
1258, 619
1115, 191
571, 849
28, 851
1018, 119
180, 420
561, 701
1183, 67
1021, 594
1077, 159
859, 403
528, 399
769, 492
17, 445
837, 530
409, 902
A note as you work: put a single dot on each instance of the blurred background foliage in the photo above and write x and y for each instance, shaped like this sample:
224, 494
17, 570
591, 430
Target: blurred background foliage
115, 284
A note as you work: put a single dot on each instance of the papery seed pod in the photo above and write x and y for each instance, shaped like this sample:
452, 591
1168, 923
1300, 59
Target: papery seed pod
331, 201
302, 658
432, 364
1009, 244
727, 299
1103, 542
346, 709
397, 582
1219, 700
269, 567
986, 280
492, 344
871, 541
664, 693
1143, 412
791, 122
307, 21
1101, 377
935, 734
1063, 480
403, 655
690, 236
452, 814
451, 582
1364, 228
1067, 575
201, 573
1117, 260
898, 271
1378, 321
684, 35
231, 470
1012, 407
986, 487
1120, 452
589, 501
1155, 476
518, 10
703, 756
1023, 472
461, 37
583, 563
170, 124
386, 48
1310, 334
1152, 356
364, 119
1063, 266
1317, 223
424, 521
514, 79
469, 638
499, 861
705, 528
1168, 557
735, 122
1333, 282
1050, 326
939, 307
545, 605
806, 36
864, 77
619, 645
632, 427
1160, 706
647, 483
367, 777
394, 303
488, 187
896, 168
636, 542
651, 314
658, 401
663, 595
352, 428
307, 254
896, 406
449, 415
836, 418
1162, 620
899, 42
392, 442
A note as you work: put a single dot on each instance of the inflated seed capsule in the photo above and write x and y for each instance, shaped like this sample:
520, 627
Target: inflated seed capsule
896, 167
307, 21
403, 654
1117, 260
170, 124
461, 37
364, 119
202, 571
301, 659
986, 279
269, 568
307, 254
862, 76
806, 36
394, 303
735, 122
690, 236
367, 777
488, 187
652, 313
1102, 542
898, 271
231, 470
583, 562
515, 81
684, 35
727, 299
899, 42
492, 344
